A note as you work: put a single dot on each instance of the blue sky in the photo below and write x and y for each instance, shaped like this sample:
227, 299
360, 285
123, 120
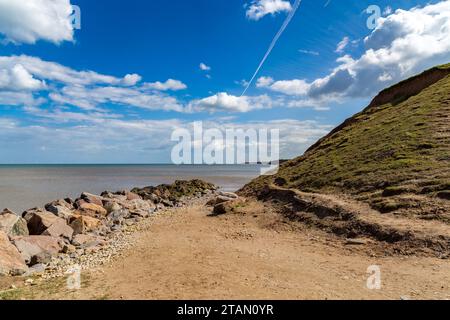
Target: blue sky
53, 112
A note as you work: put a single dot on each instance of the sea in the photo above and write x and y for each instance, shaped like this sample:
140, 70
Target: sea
27, 186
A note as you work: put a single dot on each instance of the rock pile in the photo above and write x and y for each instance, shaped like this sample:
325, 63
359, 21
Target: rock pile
89, 228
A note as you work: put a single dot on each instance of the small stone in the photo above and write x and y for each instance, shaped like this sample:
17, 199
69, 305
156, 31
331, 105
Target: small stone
356, 242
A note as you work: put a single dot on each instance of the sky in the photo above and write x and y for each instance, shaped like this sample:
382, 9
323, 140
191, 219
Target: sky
114, 90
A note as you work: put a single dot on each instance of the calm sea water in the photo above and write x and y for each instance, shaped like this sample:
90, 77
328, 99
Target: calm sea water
27, 186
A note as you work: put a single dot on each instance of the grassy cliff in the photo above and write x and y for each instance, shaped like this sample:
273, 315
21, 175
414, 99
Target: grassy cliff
394, 155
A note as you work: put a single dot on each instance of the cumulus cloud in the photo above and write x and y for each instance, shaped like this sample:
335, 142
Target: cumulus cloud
264, 82
131, 79
225, 102
53, 71
32, 20
89, 98
18, 78
290, 87
170, 84
260, 8
83, 89
403, 44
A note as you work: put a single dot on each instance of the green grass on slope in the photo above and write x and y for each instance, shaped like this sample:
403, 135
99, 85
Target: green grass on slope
403, 146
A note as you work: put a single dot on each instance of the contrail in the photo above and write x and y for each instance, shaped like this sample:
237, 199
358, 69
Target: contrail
274, 42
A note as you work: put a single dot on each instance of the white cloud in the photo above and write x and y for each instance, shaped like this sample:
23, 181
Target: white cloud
27, 21
17, 98
290, 87
84, 89
310, 52
342, 45
131, 79
89, 98
52, 71
99, 139
18, 78
243, 83
264, 82
403, 44
387, 11
260, 8
170, 84
204, 67
224, 102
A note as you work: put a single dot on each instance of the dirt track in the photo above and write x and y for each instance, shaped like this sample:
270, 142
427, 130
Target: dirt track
190, 255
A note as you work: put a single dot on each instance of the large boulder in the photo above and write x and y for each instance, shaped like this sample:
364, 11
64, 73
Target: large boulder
91, 209
117, 217
12, 224
92, 198
59, 229
11, 261
83, 224
31, 246
60, 208
140, 207
111, 206
46, 223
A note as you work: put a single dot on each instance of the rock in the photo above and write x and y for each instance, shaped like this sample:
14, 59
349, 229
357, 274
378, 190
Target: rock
87, 241
444, 195
46, 223
66, 203
68, 248
82, 224
117, 217
27, 215
30, 246
230, 195
59, 229
79, 203
41, 258
222, 208
12, 224
218, 200
140, 207
36, 270
281, 182
355, 242
91, 209
11, 261
61, 211
91, 198
111, 206
132, 196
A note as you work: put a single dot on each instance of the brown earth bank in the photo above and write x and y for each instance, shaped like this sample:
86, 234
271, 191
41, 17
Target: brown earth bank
249, 252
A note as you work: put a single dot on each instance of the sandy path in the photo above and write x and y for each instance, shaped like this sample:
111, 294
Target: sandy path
189, 255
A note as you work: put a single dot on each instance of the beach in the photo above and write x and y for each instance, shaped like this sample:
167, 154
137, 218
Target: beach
26, 186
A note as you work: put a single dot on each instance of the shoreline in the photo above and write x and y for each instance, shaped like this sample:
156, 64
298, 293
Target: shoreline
22, 188
87, 231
